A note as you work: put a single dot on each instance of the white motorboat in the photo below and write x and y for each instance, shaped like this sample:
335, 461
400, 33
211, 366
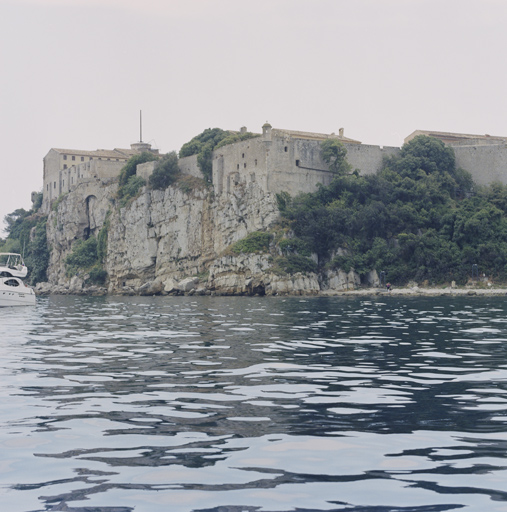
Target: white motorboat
13, 291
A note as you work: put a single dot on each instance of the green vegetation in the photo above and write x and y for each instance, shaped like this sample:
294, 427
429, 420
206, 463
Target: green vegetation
37, 257
236, 137
102, 239
85, 258
26, 235
419, 218
129, 183
334, 154
294, 263
257, 241
203, 145
166, 172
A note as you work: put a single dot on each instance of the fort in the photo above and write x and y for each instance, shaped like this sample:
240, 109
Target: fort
178, 240
275, 160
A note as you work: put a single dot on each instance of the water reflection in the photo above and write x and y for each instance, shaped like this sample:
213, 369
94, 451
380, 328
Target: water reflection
233, 404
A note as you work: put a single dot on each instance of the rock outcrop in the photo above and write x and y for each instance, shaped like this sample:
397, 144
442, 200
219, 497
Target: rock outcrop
175, 242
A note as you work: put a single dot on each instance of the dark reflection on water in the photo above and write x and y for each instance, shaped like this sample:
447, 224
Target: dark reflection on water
254, 404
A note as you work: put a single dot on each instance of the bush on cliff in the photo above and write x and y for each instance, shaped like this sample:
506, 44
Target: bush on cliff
83, 256
127, 180
206, 142
257, 241
203, 145
294, 263
131, 189
166, 172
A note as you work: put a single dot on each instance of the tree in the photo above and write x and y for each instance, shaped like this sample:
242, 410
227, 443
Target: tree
166, 172
15, 218
427, 154
129, 169
334, 154
203, 145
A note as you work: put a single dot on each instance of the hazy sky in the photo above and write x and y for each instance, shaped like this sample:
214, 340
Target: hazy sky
75, 73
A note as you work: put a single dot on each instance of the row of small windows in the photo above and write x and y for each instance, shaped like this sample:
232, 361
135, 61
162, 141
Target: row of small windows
82, 158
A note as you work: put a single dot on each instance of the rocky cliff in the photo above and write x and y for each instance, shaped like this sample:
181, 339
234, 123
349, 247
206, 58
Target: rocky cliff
175, 241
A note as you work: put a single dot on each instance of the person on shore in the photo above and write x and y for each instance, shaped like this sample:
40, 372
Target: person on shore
388, 286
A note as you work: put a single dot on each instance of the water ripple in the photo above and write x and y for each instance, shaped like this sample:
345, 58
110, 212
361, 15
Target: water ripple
248, 404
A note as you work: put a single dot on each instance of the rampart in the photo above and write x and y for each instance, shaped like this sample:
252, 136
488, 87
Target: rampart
275, 161
486, 163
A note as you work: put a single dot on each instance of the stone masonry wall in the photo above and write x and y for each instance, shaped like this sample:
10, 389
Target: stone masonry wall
486, 163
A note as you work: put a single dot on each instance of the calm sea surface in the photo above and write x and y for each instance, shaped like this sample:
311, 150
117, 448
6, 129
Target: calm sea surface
254, 404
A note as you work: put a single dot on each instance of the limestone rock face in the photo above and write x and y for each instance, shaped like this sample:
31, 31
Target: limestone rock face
79, 214
174, 242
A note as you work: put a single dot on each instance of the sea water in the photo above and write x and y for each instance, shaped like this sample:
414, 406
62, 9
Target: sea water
232, 404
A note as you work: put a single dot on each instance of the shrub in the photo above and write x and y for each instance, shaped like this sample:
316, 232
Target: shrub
203, 145
129, 170
82, 257
294, 246
294, 263
131, 189
257, 241
97, 275
102, 238
166, 172
236, 137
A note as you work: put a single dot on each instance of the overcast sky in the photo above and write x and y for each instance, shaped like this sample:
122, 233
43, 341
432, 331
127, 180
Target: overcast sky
75, 73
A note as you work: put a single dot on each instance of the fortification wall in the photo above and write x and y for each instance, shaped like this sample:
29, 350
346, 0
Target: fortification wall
285, 163
188, 165
239, 164
368, 159
486, 163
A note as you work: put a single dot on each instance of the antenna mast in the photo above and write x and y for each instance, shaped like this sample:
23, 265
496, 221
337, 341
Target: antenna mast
140, 126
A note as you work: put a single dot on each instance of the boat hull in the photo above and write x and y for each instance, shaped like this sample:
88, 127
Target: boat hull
15, 298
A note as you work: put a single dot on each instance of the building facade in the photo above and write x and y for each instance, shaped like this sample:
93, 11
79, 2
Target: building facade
276, 160
64, 169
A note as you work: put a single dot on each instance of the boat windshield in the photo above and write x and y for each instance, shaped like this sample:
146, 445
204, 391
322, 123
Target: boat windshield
11, 260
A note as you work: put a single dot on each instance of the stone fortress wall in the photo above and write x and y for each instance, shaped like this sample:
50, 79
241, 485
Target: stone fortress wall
290, 161
65, 169
275, 161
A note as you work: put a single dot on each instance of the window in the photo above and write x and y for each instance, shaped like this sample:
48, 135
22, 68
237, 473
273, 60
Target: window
244, 165
91, 158
256, 162
243, 155
65, 166
238, 167
297, 163
73, 157
54, 184
82, 159
11, 282
65, 157
285, 149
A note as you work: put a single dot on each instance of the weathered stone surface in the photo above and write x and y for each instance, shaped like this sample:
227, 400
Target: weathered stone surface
162, 240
